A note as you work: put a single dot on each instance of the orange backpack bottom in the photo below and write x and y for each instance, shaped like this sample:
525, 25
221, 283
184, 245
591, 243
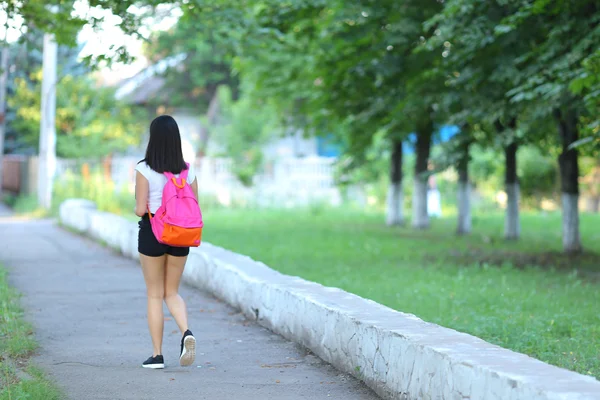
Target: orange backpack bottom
178, 236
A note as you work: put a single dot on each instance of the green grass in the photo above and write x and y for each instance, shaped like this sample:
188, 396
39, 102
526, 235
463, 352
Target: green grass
15, 334
37, 387
479, 284
24, 206
96, 188
16, 345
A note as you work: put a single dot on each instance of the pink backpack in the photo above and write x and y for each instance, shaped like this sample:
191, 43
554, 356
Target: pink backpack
178, 221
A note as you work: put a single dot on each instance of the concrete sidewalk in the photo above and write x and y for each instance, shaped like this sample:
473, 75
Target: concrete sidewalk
88, 308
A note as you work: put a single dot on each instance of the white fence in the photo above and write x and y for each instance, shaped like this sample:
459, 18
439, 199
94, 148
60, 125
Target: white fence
297, 181
285, 182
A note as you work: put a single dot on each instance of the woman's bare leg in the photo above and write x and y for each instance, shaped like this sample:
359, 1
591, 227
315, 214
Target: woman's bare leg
154, 275
176, 305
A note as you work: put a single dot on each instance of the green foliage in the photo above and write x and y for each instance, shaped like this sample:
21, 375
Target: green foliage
361, 70
542, 312
246, 127
207, 65
338, 64
25, 62
89, 121
478, 63
372, 167
95, 188
587, 84
538, 174
561, 37
57, 17
486, 170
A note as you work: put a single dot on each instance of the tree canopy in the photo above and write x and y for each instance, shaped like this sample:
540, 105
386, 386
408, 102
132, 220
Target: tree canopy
377, 75
89, 121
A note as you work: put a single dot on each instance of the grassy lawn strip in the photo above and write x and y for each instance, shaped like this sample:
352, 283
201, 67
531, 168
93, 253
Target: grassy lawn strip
24, 206
547, 311
18, 379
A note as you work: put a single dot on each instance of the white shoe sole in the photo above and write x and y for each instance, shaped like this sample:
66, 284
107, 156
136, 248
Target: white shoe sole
188, 355
154, 366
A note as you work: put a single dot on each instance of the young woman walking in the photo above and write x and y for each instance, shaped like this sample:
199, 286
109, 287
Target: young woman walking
162, 265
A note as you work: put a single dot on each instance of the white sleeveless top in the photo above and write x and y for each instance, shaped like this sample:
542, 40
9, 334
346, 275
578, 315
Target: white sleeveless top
156, 183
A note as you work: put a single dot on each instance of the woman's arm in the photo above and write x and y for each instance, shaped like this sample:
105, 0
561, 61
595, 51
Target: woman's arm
194, 186
142, 190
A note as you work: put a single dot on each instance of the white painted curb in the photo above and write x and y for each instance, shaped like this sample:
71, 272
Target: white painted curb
396, 354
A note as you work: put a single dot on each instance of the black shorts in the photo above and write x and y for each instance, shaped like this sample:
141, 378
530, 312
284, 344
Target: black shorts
149, 246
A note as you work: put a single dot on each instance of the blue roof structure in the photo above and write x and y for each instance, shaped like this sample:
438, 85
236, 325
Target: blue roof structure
328, 146
445, 133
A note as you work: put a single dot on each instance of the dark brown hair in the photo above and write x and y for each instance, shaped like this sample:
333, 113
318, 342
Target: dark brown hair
164, 153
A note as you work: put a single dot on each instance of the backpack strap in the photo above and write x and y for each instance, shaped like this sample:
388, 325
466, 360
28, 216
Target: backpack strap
184, 173
182, 177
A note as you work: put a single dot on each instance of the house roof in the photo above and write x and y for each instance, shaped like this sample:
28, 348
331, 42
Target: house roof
147, 84
149, 90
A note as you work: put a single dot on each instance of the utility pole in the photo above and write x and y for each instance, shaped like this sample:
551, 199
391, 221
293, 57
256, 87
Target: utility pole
3, 88
47, 153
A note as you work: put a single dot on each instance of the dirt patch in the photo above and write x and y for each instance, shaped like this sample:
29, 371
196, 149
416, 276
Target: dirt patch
587, 265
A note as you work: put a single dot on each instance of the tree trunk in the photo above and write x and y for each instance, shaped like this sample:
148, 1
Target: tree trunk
595, 184
395, 197
464, 194
420, 217
211, 120
595, 204
569, 180
512, 225
3, 88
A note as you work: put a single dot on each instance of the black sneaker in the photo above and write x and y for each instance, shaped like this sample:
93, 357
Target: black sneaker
188, 349
157, 362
